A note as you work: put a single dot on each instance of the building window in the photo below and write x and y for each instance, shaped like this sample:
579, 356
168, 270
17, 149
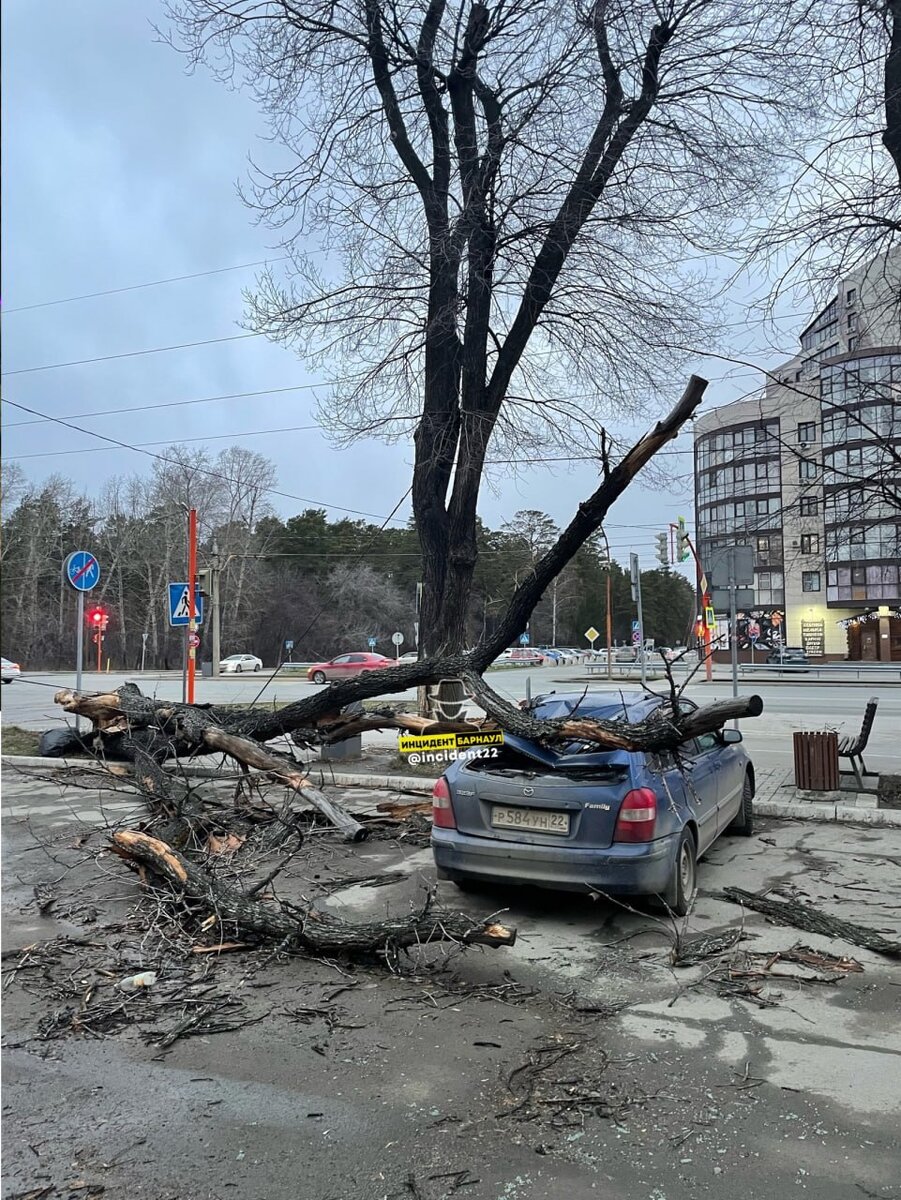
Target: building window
763, 545
809, 506
810, 543
810, 581
807, 431
761, 470
851, 296
806, 469
852, 343
852, 322
763, 507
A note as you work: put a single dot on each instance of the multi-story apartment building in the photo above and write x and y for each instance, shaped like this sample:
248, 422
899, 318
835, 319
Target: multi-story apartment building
808, 473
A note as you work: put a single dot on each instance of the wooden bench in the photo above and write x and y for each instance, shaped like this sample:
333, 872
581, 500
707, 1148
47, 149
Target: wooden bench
853, 748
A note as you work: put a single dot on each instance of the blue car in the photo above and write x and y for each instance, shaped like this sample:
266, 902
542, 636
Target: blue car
579, 818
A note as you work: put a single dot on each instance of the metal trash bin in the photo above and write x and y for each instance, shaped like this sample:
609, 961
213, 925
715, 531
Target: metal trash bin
206, 670
816, 761
348, 749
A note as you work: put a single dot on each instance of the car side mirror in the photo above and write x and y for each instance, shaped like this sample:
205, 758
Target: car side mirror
731, 737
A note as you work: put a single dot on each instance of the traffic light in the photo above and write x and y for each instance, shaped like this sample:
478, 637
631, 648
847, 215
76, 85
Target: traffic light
683, 550
663, 549
98, 619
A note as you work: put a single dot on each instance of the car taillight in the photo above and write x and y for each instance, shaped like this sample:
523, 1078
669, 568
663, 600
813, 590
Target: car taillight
442, 812
637, 817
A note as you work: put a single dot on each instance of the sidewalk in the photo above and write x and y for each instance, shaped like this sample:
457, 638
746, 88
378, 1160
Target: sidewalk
777, 796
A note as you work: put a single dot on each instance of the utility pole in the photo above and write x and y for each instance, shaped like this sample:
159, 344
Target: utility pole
554, 614
733, 625
683, 550
192, 602
215, 570
636, 596
609, 612
609, 618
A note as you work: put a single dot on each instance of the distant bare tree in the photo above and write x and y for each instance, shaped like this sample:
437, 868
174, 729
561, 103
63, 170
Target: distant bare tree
508, 197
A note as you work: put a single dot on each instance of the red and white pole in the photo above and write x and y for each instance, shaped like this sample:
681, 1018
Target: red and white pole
192, 601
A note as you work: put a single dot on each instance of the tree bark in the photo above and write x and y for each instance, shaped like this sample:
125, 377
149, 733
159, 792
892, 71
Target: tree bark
311, 928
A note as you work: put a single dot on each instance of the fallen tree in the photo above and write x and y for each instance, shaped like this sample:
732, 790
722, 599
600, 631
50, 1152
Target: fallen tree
186, 729
145, 731
307, 927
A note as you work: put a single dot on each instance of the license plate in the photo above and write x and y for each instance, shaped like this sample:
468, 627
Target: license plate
535, 819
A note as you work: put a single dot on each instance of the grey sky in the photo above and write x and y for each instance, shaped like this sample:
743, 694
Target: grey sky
119, 169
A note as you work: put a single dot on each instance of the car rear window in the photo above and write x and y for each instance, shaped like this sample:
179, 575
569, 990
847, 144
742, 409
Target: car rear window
510, 761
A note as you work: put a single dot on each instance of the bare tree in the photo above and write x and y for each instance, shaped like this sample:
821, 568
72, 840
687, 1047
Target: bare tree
504, 195
841, 204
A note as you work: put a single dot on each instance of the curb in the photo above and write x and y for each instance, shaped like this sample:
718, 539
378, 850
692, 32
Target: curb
196, 769
798, 810
801, 810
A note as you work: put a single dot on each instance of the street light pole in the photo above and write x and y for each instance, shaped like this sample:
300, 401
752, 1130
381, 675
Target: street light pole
192, 601
609, 607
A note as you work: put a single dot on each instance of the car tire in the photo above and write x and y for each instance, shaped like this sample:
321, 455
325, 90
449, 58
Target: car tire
318, 677
742, 824
238, 669
683, 882
258, 667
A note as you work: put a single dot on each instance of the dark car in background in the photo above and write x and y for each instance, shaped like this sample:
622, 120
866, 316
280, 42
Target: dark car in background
579, 819
788, 656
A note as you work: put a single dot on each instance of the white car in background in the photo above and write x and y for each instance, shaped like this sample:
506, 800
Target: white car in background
236, 663
9, 670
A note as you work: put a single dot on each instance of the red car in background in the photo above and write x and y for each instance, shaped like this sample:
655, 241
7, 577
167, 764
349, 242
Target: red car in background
346, 666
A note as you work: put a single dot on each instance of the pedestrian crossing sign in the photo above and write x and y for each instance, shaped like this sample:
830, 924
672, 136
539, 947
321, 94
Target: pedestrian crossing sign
179, 608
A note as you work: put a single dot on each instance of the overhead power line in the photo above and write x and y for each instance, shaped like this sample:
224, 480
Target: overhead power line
135, 287
81, 362
112, 412
210, 437
200, 470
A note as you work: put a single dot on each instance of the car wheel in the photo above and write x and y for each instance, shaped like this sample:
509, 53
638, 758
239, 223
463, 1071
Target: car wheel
238, 669
742, 824
318, 677
258, 667
681, 890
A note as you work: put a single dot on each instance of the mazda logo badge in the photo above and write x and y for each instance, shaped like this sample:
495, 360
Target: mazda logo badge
528, 791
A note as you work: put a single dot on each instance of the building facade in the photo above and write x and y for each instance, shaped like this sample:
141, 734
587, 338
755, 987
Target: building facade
808, 474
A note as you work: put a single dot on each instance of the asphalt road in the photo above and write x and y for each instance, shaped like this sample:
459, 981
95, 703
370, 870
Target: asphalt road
790, 705
577, 1063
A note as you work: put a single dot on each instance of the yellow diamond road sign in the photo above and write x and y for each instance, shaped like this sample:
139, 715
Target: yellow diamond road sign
592, 634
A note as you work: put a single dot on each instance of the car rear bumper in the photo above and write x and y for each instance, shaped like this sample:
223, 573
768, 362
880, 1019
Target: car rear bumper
634, 870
